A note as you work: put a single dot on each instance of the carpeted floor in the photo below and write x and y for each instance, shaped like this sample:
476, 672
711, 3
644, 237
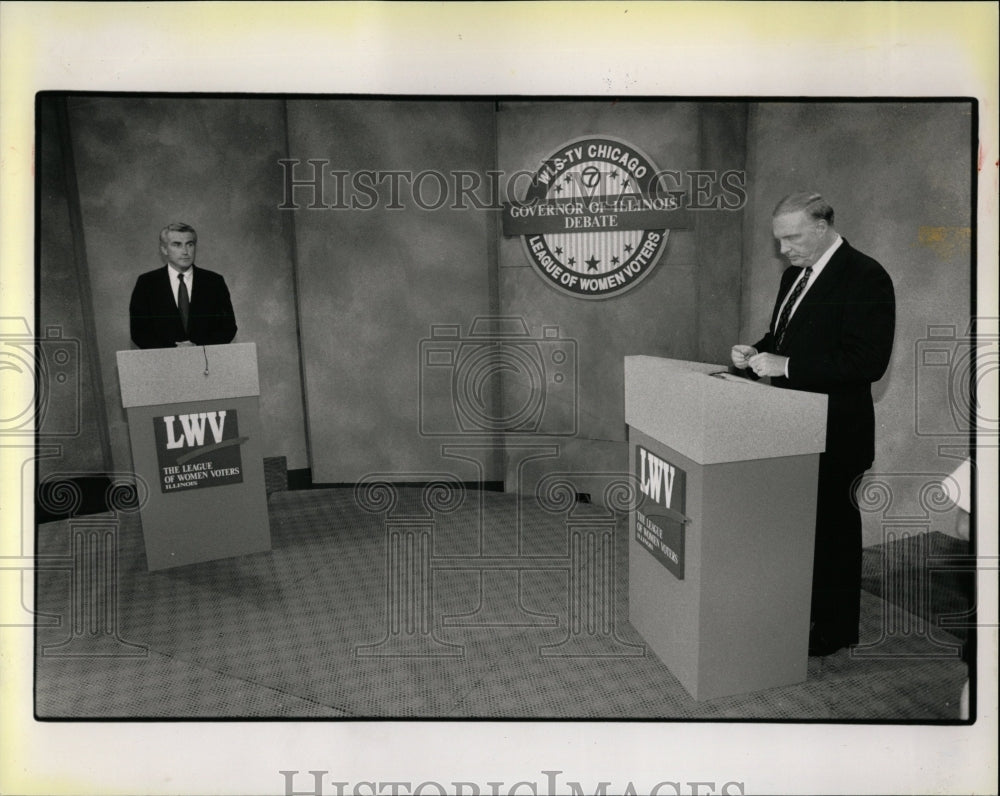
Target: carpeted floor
351, 615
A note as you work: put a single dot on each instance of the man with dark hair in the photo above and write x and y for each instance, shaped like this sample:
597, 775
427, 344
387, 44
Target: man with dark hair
180, 304
831, 332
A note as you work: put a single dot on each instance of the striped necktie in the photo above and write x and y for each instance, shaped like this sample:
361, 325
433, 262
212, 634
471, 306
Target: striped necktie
786, 312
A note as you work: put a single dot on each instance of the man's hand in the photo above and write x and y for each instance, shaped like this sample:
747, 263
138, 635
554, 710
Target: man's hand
741, 355
768, 364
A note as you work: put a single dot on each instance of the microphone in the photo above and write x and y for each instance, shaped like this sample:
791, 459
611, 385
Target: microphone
205, 352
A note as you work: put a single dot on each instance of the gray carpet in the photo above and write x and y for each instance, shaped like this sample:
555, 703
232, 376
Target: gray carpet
350, 617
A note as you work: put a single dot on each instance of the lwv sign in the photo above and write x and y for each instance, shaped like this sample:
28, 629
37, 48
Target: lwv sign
660, 522
198, 449
192, 429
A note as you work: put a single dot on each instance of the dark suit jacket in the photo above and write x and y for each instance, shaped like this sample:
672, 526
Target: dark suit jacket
839, 342
155, 321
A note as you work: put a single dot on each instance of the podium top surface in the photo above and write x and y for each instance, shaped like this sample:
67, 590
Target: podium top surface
154, 376
713, 419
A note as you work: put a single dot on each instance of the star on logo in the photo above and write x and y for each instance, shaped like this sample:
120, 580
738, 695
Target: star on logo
592, 263
558, 249
628, 248
571, 261
615, 260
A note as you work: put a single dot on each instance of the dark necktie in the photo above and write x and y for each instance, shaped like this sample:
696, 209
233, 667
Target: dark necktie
786, 312
183, 302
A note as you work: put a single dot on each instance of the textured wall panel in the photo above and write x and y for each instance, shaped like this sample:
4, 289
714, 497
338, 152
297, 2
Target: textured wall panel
373, 282
213, 163
70, 406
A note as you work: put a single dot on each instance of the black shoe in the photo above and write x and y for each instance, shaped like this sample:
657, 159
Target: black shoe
821, 645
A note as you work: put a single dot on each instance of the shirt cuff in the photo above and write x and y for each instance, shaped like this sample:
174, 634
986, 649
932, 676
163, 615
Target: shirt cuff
786, 367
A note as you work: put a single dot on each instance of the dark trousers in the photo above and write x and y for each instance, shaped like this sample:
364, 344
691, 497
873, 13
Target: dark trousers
836, 584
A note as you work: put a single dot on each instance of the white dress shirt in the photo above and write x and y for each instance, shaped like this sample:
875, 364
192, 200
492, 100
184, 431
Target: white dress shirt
175, 282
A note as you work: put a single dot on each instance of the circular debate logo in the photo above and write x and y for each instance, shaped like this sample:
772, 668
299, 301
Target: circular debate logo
593, 222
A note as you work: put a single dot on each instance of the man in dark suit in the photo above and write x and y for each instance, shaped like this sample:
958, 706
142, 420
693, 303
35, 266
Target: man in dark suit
180, 304
831, 332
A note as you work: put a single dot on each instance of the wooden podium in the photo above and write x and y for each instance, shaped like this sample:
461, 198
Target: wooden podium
721, 547
194, 427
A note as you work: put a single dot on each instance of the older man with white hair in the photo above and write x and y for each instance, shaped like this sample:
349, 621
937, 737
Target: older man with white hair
831, 332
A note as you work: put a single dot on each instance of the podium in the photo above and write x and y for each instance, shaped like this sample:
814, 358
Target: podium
194, 429
721, 544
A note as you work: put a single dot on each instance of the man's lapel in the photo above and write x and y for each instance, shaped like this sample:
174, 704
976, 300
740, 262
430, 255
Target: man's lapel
819, 293
194, 294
